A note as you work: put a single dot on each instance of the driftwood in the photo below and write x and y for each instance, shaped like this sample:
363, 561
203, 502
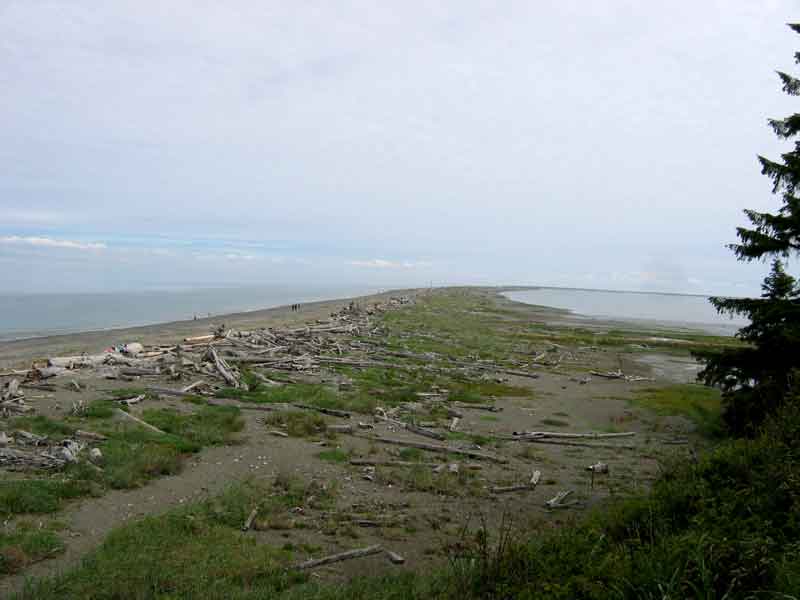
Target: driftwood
145, 424
30, 438
13, 459
404, 463
437, 448
134, 400
169, 391
489, 407
530, 486
558, 434
334, 558
580, 444
382, 415
249, 522
47, 372
12, 391
425, 432
90, 435
620, 375
192, 386
598, 468
339, 428
139, 371
199, 339
395, 558
222, 367
557, 501
73, 362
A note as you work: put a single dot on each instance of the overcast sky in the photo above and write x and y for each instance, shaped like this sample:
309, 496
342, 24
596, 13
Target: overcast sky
583, 143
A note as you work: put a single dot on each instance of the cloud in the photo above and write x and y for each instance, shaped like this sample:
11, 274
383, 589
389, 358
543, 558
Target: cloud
237, 256
46, 242
379, 263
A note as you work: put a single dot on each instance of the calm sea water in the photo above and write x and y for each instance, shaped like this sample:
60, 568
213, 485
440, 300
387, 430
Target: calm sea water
35, 315
667, 310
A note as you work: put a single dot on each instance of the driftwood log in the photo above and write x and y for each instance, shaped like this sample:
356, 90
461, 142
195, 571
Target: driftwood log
437, 448
334, 558
144, 424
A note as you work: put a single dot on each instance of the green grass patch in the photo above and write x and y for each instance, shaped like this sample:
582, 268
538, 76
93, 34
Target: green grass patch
337, 455
41, 425
297, 423
25, 545
411, 454
194, 552
100, 409
209, 426
700, 404
38, 495
422, 478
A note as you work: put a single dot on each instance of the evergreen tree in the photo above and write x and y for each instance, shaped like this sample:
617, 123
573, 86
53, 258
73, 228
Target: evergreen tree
755, 379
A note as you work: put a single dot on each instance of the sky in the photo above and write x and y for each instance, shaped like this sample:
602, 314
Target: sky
601, 144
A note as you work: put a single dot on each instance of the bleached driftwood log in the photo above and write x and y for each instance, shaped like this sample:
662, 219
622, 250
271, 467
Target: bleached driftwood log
557, 501
223, 367
144, 424
341, 556
249, 522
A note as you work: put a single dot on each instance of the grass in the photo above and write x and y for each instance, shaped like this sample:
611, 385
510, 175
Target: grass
215, 559
337, 455
131, 455
41, 425
475, 438
297, 423
209, 426
698, 403
25, 545
411, 454
321, 396
38, 496
422, 478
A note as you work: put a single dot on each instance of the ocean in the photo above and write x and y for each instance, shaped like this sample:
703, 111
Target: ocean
677, 311
36, 315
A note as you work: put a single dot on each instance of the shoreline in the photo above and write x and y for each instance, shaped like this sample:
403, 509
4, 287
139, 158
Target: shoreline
14, 353
20, 352
721, 329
